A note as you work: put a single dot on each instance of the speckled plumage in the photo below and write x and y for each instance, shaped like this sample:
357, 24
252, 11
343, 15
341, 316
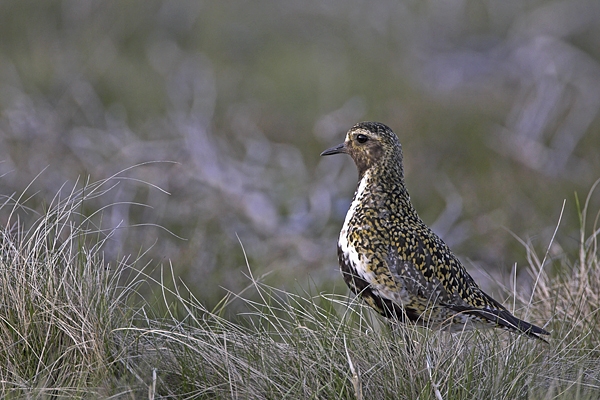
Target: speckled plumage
393, 260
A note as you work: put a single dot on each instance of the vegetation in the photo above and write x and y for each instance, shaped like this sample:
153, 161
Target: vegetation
73, 325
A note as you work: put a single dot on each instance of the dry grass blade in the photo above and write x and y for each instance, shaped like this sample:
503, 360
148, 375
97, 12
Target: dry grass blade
355, 374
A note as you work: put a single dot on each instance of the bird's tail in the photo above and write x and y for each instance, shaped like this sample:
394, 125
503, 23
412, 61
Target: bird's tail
504, 319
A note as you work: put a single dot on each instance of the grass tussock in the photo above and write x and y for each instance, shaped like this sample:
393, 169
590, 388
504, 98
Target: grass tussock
61, 303
73, 325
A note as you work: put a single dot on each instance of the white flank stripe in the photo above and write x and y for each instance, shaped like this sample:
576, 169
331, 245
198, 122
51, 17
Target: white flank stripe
353, 257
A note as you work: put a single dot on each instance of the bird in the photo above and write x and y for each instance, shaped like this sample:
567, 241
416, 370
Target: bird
394, 261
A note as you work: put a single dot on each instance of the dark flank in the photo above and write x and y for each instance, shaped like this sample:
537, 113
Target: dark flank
393, 260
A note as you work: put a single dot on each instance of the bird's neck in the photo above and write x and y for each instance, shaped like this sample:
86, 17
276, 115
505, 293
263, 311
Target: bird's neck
387, 180
385, 169
386, 172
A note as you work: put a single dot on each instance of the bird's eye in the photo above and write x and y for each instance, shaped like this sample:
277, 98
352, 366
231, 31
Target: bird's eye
360, 138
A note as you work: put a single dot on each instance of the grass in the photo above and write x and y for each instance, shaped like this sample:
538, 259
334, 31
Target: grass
73, 325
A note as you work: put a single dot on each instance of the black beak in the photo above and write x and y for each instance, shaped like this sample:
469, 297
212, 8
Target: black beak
340, 148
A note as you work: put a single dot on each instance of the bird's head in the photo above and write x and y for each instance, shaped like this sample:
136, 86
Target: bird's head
371, 144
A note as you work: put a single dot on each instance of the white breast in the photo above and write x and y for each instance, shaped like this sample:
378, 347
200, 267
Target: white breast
358, 261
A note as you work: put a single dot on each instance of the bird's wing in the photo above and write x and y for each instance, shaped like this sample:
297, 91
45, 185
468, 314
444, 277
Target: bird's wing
414, 281
463, 297
432, 271
434, 265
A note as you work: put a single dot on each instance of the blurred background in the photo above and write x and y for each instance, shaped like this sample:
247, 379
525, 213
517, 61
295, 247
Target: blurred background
496, 103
